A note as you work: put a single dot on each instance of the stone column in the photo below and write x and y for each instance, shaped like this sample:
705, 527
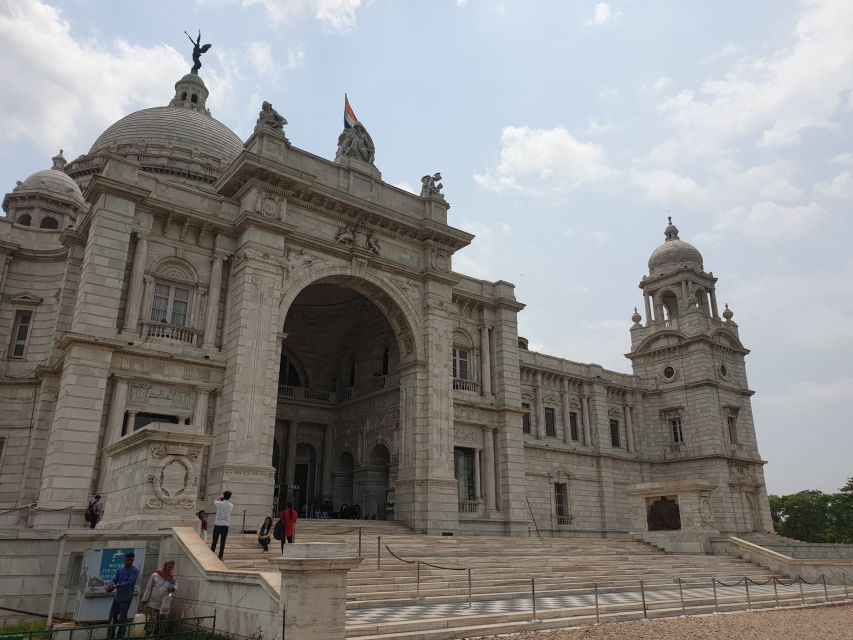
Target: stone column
478, 486
213, 301
134, 292
131, 418
489, 466
146, 294
714, 310
118, 403
684, 294
485, 361
290, 454
328, 439
587, 431
314, 590
200, 409
648, 308
629, 427
540, 407
566, 422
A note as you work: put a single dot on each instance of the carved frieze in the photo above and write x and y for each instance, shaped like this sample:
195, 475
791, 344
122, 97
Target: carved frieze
160, 395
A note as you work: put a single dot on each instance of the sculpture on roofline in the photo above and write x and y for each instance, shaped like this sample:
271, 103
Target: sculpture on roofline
270, 120
198, 49
431, 186
355, 142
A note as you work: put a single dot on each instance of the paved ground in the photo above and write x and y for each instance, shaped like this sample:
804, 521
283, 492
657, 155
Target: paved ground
818, 623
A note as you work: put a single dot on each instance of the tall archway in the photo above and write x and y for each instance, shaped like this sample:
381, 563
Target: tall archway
351, 338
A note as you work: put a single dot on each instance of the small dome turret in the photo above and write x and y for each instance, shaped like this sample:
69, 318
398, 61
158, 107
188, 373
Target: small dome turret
48, 199
674, 253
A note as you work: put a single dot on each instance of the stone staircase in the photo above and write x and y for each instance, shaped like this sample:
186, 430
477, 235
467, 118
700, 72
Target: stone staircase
402, 597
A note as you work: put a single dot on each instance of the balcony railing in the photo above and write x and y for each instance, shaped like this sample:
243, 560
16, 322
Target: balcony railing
465, 385
564, 520
347, 393
379, 382
469, 506
173, 332
308, 395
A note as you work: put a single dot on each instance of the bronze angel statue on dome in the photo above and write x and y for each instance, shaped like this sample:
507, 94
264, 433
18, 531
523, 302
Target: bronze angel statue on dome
198, 49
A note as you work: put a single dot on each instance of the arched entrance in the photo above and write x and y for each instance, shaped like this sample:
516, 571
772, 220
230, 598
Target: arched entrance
338, 405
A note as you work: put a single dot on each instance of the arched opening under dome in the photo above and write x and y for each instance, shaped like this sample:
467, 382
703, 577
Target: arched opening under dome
339, 396
24, 220
49, 222
669, 305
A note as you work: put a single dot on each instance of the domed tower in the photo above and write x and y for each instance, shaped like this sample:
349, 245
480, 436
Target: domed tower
698, 419
48, 199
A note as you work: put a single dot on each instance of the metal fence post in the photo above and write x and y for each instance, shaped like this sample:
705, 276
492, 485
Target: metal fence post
70, 513
716, 604
418, 592
244, 521
825, 592
775, 592
800, 582
846, 593
681, 597
359, 542
378, 553
533, 598
213, 630
748, 600
597, 617
643, 594
469, 587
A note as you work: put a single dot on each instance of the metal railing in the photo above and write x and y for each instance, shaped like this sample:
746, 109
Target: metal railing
418, 564
469, 506
199, 628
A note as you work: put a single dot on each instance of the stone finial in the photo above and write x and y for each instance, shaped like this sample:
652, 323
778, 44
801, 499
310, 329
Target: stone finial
431, 186
692, 301
355, 142
270, 120
728, 314
636, 317
59, 161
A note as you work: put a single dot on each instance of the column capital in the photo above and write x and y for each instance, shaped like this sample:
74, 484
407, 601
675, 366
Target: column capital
147, 278
220, 255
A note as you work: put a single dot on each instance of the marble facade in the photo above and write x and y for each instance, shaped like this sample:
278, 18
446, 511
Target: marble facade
289, 327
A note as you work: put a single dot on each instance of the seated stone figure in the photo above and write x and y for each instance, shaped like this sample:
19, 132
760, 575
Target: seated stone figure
270, 120
355, 142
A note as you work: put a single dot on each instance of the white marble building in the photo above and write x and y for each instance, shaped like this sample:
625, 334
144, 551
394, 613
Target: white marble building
182, 313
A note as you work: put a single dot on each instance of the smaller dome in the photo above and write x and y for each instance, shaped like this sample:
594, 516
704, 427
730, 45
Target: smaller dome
53, 182
674, 253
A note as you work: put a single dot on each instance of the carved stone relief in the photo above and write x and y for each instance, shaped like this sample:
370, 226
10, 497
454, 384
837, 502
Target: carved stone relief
160, 395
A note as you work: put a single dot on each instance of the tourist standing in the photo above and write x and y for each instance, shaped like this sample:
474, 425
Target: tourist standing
222, 521
289, 516
157, 597
265, 534
123, 584
96, 510
202, 517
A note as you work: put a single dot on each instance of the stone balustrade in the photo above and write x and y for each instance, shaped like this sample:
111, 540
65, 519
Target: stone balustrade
173, 332
465, 385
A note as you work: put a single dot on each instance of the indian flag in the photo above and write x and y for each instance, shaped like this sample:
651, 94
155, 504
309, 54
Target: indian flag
349, 115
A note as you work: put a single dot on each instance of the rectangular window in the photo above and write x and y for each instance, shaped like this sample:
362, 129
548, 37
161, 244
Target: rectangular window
170, 304
463, 469
573, 426
561, 502
732, 424
614, 433
550, 423
525, 418
460, 364
20, 333
677, 434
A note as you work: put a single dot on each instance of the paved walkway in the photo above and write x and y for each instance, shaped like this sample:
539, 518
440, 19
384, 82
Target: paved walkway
654, 596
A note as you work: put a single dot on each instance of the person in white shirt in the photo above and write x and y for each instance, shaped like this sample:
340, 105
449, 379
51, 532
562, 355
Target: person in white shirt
222, 521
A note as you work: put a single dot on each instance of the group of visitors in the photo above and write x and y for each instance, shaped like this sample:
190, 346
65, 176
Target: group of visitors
154, 602
283, 531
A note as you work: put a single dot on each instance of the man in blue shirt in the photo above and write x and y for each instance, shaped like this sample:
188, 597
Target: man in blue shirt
123, 584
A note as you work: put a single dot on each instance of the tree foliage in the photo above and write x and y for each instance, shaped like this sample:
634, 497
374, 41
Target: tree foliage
814, 516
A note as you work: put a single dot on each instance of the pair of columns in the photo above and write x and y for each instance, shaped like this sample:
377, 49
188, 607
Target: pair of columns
484, 474
658, 308
540, 412
139, 291
325, 462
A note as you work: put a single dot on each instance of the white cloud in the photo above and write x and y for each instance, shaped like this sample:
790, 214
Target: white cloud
552, 157
667, 187
59, 101
597, 236
841, 186
769, 222
484, 257
405, 186
260, 55
461, 3
295, 58
602, 15
844, 158
772, 99
337, 15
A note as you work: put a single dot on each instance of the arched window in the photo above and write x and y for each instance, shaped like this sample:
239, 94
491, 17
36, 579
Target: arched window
288, 372
184, 95
175, 281
194, 98
49, 222
386, 359
702, 301
669, 305
25, 220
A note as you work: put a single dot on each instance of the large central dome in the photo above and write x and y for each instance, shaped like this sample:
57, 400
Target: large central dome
181, 139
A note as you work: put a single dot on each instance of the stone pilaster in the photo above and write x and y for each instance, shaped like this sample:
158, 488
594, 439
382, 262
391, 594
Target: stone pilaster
485, 361
245, 427
564, 396
135, 290
489, 468
212, 316
540, 406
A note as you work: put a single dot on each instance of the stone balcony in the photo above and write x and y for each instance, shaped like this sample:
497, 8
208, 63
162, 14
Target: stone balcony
305, 394
465, 385
171, 333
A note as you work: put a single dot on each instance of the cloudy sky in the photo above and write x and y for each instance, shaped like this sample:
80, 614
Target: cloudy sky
565, 132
